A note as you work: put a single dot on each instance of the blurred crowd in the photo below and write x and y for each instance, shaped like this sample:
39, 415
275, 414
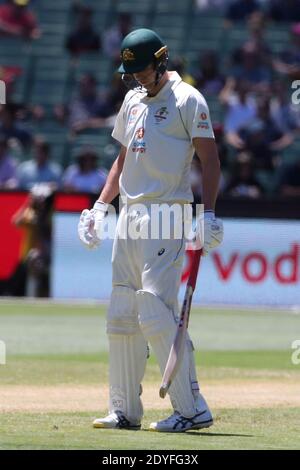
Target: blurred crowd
256, 128
252, 87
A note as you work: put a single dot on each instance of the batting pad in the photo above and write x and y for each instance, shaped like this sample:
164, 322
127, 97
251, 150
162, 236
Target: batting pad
159, 328
122, 313
193, 373
127, 363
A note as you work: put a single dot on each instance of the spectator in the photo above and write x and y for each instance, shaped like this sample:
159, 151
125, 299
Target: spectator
250, 68
209, 80
289, 10
35, 219
12, 129
239, 10
40, 169
84, 38
87, 110
8, 166
179, 65
256, 25
285, 114
263, 138
289, 181
84, 175
240, 110
288, 63
113, 37
243, 182
113, 98
17, 20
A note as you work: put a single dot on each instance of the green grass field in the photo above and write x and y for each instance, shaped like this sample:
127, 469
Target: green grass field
54, 382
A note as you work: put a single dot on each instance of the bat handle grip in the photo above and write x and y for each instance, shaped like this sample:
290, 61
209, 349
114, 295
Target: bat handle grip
194, 269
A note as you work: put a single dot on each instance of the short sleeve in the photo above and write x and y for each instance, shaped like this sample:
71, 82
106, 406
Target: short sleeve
118, 132
198, 118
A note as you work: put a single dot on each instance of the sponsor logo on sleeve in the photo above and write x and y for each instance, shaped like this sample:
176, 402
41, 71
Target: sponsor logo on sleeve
203, 123
132, 115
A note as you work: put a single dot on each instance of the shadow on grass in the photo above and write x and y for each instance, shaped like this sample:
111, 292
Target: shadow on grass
216, 434
205, 434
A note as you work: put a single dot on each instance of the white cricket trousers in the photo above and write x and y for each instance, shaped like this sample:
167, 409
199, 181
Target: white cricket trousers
153, 265
147, 264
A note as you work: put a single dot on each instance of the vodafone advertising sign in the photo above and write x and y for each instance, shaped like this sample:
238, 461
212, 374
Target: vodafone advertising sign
258, 263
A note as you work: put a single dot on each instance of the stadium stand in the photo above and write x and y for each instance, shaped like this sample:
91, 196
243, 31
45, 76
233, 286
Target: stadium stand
45, 75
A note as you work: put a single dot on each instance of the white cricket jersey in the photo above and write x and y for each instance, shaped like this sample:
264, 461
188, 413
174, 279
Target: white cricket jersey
157, 132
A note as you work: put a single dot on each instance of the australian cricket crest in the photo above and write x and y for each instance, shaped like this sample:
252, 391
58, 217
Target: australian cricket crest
127, 55
161, 114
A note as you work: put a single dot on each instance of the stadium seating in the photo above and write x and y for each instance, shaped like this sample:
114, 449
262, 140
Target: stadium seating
49, 76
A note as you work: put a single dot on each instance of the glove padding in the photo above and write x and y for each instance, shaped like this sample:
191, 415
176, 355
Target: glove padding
212, 230
90, 225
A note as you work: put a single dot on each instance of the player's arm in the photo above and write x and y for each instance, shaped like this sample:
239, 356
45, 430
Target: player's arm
212, 232
207, 153
111, 187
91, 221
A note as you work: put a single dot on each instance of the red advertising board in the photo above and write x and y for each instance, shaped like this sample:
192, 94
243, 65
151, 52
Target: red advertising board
11, 236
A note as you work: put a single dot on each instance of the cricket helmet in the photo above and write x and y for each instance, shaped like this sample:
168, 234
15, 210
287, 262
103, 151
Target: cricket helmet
139, 49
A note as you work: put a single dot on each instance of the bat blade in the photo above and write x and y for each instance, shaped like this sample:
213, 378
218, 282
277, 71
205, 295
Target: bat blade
177, 349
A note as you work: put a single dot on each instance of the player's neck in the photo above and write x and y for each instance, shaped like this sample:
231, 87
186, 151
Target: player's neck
159, 86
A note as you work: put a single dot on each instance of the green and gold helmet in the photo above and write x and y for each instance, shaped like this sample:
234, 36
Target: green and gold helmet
141, 48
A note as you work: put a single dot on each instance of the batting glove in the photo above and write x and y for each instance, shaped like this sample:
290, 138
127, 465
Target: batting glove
90, 225
211, 229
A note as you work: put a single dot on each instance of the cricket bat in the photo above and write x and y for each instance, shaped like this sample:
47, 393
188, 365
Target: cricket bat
177, 348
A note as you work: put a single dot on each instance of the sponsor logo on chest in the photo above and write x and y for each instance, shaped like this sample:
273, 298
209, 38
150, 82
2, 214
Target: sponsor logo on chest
139, 145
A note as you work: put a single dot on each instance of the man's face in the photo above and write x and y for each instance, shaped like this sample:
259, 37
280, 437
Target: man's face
146, 77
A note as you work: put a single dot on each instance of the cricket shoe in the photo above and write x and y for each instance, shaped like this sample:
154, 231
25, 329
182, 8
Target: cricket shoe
116, 420
179, 423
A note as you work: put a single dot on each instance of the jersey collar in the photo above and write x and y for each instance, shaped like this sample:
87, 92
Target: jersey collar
173, 81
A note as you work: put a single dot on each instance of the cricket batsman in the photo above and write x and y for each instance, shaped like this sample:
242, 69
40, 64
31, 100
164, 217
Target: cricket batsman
160, 125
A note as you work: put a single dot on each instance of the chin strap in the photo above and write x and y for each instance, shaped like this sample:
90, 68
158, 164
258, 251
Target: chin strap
133, 84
